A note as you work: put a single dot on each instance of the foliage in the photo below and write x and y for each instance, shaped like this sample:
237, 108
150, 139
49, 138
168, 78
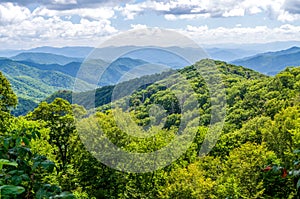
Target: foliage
256, 155
23, 172
261, 124
59, 119
8, 100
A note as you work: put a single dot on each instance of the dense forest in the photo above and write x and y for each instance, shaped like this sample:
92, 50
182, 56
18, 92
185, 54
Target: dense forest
257, 154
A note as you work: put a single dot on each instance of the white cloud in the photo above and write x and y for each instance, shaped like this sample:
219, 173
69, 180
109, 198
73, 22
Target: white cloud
54, 27
138, 26
199, 29
292, 6
131, 10
47, 26
96, 13
21, 27
258, 34
170, 17
67, 4
285, 16
193, 9
64, 2
234, 12
10, 13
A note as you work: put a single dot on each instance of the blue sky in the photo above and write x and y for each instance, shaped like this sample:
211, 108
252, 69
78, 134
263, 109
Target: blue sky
27, 24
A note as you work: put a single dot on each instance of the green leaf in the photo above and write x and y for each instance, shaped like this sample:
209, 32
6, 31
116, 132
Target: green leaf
25, 177
38, 134
11, 190
48, 165
6, 143
18, 141
35, 165
7, 162
16, 180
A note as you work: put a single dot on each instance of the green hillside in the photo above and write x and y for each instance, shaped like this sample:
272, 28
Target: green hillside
68, 69
51, 78
24, 106
35, 85
257, 106
151, 142
252, 156
35, 81
103, 95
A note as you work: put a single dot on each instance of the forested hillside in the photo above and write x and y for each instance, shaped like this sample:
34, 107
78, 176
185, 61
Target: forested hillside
39, 75
36, 75
33, 83
103, 95
256, 156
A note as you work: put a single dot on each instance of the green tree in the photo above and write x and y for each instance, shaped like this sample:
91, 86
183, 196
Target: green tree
189, 182
8, 100
242, 171
23, 172
58, 117
283, 136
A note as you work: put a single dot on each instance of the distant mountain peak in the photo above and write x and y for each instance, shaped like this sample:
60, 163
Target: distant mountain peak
271, 62
294, 48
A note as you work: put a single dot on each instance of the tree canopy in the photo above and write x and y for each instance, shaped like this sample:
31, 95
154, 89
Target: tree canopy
45, 153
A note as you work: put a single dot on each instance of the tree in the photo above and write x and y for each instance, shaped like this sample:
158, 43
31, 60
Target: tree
242, 172
23, 172
58, 117
188, 182
283, 136
8, 100
7, 97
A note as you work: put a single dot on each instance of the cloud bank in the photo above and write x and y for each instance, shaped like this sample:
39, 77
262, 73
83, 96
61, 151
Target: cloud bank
87, 22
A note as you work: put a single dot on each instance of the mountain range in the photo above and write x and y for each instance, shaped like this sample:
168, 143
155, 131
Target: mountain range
271, 62
225, 52
109, 53
36, 84
36, 75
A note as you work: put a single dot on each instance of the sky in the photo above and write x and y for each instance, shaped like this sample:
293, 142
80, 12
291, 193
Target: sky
27, 24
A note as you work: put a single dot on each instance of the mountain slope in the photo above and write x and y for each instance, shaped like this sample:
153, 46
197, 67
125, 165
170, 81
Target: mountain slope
112, 72
24, 106
69, 51
228, 54
117, 69
69, 69
272, 62
45, 58
103, 95
33, 85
